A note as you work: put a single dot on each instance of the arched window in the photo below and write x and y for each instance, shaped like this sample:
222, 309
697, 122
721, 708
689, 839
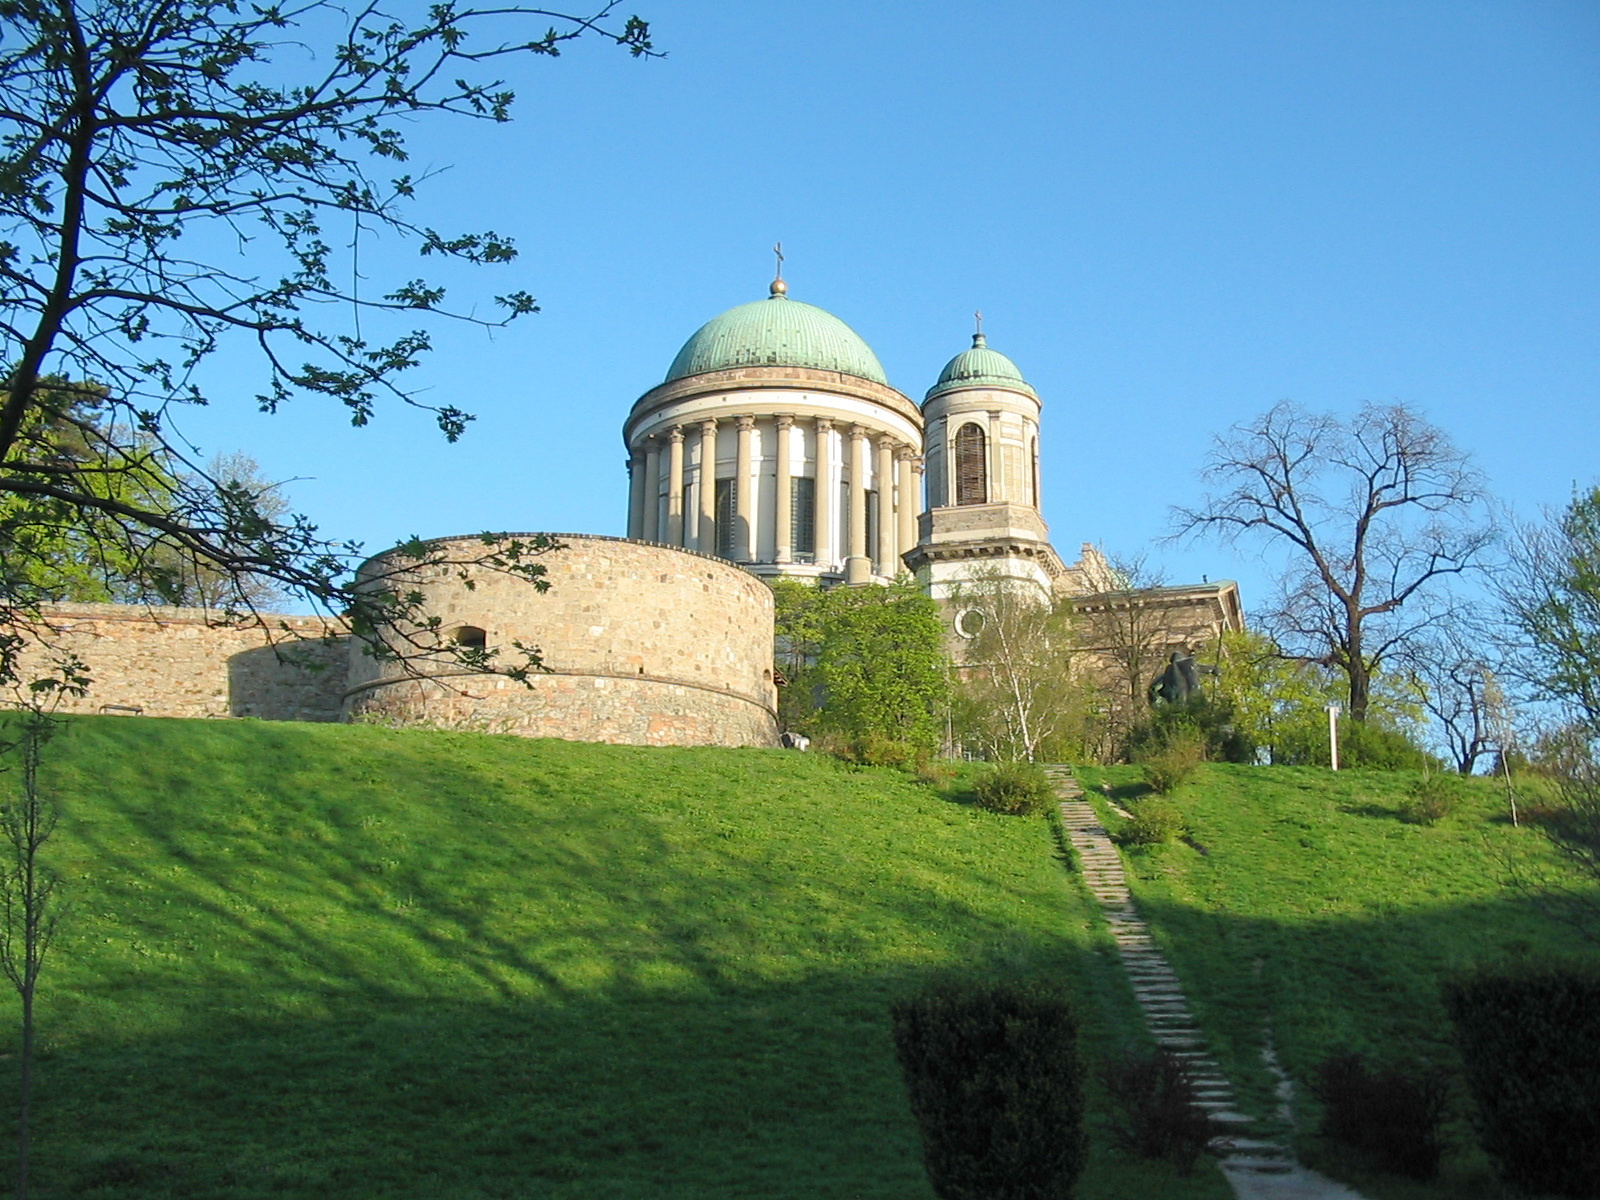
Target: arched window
470, 637
972, 469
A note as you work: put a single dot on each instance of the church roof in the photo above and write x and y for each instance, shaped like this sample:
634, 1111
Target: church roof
777, 332
980, 367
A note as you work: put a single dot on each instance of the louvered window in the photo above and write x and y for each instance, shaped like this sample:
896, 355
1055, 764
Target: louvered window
803, 517
972, 476
725, 518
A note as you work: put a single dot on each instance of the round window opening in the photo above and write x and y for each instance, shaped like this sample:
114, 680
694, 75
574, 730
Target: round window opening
969, 622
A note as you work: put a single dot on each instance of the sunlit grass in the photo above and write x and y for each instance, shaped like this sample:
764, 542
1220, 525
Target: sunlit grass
1306, 905
330, 962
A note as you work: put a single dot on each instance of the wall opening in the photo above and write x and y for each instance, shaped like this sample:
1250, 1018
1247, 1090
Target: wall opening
972, 474
803, 518
727, 499
469, 637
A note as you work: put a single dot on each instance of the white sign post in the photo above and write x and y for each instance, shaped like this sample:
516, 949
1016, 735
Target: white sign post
1333, 735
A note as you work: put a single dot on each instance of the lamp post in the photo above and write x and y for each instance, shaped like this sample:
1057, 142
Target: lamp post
1333, 735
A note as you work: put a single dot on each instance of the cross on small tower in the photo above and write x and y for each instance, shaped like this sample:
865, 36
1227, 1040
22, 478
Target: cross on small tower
978, 316
778, 250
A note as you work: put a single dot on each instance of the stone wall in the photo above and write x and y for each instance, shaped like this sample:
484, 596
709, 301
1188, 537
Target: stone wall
646, 644
187, 662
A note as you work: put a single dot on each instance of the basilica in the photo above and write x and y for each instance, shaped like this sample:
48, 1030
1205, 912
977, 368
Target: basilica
776, 441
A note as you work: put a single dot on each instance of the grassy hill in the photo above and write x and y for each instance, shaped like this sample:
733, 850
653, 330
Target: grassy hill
1306, 909
321, 961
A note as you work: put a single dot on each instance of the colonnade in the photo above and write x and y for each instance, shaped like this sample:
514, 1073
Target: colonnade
660, 469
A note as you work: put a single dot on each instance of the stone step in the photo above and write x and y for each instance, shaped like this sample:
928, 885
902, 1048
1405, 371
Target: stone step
1260, 1166
1255, 1146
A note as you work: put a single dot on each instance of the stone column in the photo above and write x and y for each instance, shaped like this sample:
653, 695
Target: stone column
744, 495
887, 563
782, 509
675, 522
918, 485
997, 486
908, 500
635, 466
827, 556
706, 530
650, 530
858, 567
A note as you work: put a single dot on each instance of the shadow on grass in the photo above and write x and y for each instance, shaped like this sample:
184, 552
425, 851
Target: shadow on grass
1128, 793
272, 992
1379, 811
1368, 984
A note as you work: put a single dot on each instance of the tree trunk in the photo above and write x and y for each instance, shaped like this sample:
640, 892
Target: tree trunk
27, 1094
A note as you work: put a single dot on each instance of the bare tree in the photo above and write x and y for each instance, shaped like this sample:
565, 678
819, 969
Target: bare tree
28, 913
1128, 627
1021, 685
1448, 663
1377, 511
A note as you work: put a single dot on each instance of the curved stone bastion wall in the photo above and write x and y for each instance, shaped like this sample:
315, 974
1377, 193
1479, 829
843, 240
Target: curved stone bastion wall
645, 645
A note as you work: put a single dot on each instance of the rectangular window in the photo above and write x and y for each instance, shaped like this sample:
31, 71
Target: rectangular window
803, 518
872, 523
726, 523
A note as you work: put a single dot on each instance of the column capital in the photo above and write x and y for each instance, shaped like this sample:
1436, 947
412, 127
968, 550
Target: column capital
904, 453
824, 424
745, 422
859, 431
675, 434
785, 421
709, 425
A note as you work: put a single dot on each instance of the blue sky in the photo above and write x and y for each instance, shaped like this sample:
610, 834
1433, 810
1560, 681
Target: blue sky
1172, 215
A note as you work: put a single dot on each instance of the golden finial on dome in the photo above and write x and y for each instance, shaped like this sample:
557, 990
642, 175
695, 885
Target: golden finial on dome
779, 287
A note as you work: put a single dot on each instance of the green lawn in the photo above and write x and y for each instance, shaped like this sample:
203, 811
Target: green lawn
1309, 908
324, 961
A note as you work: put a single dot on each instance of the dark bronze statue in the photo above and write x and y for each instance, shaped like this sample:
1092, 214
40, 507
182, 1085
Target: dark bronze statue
1179, 681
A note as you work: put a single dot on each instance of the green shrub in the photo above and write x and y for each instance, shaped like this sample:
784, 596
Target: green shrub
1530, 1040
995, 1081
937, 773
1170, 765
1211, 720
1154, 1113
1016, 789
1394, 1116
1361, 744
876, 750
1154, 823
1431, 799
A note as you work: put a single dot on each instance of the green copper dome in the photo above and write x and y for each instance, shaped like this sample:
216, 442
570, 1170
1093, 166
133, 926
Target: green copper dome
980, 367
777, 332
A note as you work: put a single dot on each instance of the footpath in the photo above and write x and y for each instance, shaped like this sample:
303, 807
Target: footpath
1259, 1164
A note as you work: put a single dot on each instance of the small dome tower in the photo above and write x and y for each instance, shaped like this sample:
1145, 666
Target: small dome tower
981, 446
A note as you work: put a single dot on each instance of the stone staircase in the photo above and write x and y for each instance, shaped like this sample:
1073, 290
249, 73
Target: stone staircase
1160, 995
